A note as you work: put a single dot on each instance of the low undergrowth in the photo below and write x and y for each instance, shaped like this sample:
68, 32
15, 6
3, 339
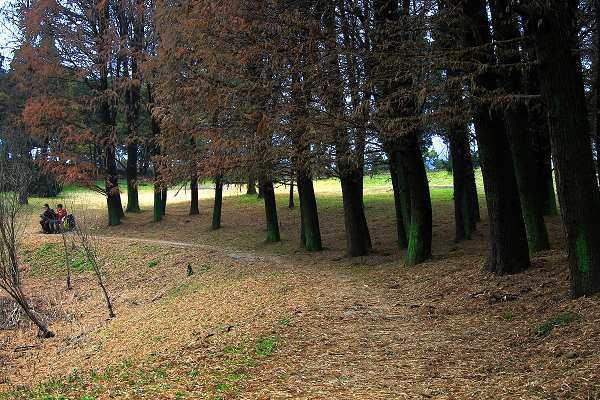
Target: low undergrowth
49, 260
212, 375
555, 321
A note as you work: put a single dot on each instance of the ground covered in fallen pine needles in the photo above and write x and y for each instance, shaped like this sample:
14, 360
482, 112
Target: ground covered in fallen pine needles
258, 321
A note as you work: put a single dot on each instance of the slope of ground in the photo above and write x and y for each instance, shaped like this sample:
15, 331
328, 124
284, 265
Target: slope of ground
258, 321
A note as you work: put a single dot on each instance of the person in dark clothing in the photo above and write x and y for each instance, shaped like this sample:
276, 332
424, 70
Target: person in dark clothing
48, 218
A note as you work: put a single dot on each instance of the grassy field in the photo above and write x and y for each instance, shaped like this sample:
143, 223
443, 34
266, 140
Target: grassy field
270, 321
377, 184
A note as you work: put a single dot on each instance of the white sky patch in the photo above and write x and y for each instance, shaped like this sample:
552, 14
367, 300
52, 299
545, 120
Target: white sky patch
440, 147
6, 36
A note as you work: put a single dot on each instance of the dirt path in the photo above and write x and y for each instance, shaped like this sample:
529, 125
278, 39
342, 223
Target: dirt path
231, 253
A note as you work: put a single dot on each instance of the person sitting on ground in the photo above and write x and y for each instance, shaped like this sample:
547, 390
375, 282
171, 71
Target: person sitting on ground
61, 214
47, 219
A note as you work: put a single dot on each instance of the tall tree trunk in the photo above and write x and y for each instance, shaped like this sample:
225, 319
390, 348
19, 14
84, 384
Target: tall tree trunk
509, 251
163, 194
251, 188
462, 171
350, 162
154, 145
401, 199
596, 69
270, 210
420, 232
555, 33
358, 239
542, 155
409, 177
111, 181
310, 231
24, 196
218, 206
466, 201
133, 202
516, 117
309, 216
527, 179
107, 118
158, 204
472, 182
194, 206
111, 186
291, 204
132, 97
540, 139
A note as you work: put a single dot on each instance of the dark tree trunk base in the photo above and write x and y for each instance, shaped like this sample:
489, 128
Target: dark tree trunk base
268, 193
309, 216
218, 206
421, 224
194, 204
358, 239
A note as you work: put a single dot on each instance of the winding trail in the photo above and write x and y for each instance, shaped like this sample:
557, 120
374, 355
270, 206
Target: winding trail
232, 253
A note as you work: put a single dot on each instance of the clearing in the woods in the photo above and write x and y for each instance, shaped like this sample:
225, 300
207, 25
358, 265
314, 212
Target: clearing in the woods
269, 321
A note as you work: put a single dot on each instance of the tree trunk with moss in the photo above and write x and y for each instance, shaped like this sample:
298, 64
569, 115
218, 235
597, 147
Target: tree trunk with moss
509, 252
462, 170
517, 123
420, 230
555, 35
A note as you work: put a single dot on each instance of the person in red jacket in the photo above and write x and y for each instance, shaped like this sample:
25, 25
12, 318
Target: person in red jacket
61, 212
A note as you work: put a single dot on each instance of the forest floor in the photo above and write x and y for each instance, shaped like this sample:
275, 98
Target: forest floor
270, 321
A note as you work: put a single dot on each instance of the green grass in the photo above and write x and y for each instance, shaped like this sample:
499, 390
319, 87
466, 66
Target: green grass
266, 346
74, 189
49, 259
436, 178
555, 321
508, 315
151, 380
